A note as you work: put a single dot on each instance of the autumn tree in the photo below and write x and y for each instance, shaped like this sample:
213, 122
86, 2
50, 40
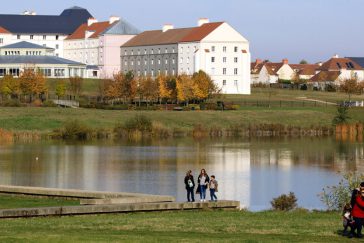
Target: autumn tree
203, 86
350, 86
103, 87
149, 88
61, 88
296, 80
185, 88
10, 86
75, 85
32, 83
167, 87
128, 86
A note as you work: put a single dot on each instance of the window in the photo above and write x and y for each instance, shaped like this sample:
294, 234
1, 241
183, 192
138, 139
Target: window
181, 49
31, 37
235, 49
44, 37
224, 59
166, 61
125, 53
46, 72
2, 72
14, 72
224, 71
159, 72
152, 51
145, 61
212, 71
57, 46
338, 65
152, 72
132, 52
165, 72
145, 51
138, 51
181, 61
212, 59
166, 51
224, 48
213, 48
1, 40
138, 73
235, 59
224, 82
18, 37
235, 71
44, 45
173, 50
173, 61
159, 61
236, 82
188, 70
57, 37
138, 62
145, 72
188, 60
125, 63
173, 72
132, 63
159, 50
152, 62
59, 72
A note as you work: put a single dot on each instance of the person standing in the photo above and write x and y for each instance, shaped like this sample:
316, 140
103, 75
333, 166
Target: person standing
213, 188
203, 181
357, 202
190, 186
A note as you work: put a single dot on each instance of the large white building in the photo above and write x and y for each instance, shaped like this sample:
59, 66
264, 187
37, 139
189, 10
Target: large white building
215, 48
44, 30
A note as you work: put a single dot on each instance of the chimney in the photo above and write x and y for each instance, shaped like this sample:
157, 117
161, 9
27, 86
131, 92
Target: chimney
167, 27
202, 21
113, 19
91, 21
336, 56
320, 64
33, 13
285, 61
258, 61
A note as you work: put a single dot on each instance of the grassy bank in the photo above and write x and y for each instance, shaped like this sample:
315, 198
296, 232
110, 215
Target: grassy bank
189, 226
11, 201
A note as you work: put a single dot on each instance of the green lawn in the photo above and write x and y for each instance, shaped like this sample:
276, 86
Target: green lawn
13, 201
181, 226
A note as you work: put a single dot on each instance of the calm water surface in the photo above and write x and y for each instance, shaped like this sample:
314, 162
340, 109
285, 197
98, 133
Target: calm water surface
251, 171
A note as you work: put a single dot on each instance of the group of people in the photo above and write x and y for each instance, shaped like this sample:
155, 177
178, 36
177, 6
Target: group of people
353, 213
204, 182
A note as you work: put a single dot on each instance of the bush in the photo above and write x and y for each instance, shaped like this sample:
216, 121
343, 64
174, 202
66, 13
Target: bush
284, 202
139, 123
48, 103
334, 197
12, 103
74, 130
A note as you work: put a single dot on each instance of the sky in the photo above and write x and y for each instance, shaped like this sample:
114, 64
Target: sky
313, 30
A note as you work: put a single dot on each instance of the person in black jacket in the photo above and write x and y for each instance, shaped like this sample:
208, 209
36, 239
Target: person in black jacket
190, 186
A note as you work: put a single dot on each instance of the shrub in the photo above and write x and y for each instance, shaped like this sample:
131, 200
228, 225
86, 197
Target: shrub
74, 130
12, 103
139, 123
284, 202
49, 103
342, 115
334, 197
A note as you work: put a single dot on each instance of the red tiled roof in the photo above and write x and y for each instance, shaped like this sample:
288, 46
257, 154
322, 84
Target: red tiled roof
305, 69
172, 36
4, 31
97, 28
273, 67
336, 64
326, 76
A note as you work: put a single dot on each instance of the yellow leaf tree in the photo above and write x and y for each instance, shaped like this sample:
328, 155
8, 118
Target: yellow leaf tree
167, 87
203, 86
32, 83
185, 88
10, 86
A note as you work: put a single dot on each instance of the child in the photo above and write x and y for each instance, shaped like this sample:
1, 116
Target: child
347, 218
213, 188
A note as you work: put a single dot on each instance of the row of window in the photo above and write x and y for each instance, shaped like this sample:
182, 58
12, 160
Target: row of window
12, 71
27, 53
31, 37
151, 62
224, 71
152, 72
224, 49
224, 59
235, 82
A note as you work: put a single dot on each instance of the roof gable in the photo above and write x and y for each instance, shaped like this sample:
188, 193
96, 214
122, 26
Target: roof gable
121, 27
4, 31
97, 28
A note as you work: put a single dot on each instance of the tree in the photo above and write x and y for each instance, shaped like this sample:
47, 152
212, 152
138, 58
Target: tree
350, 86
185, 88
128, 86
103, 87
303, 61
342, 115
32, 83
75, 85
203, 86
167, 87
61, 88
149, 88
10, 86
296, 80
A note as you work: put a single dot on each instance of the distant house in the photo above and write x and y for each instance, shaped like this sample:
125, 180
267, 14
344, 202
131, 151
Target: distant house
335, 71
268, 72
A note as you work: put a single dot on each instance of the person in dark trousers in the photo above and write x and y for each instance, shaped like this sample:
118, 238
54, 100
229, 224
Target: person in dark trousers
213, 188
357, 203
203, 182
190, 186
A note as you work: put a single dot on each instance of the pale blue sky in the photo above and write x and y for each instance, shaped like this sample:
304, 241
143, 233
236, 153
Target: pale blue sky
295, 29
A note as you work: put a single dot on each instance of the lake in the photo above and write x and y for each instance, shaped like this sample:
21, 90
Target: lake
252, 171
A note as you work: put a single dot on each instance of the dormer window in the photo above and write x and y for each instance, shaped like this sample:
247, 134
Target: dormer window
338, 65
